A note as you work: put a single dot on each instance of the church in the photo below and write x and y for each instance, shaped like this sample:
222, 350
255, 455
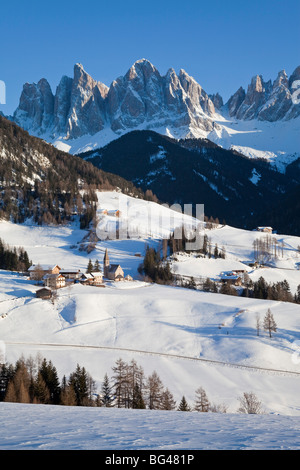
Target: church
113, 272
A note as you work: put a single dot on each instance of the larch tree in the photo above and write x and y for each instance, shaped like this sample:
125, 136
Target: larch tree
269, 323
202, 403
155, 391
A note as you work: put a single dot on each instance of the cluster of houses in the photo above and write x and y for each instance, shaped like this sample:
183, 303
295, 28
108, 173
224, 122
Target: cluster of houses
53, 277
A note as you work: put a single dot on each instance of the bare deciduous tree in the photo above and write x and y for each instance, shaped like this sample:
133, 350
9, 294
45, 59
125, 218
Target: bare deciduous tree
269, 323
249, 404
201, 402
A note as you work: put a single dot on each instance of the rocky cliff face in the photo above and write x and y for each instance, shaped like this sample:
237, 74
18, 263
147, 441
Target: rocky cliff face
81, 105
144, 99
267, 101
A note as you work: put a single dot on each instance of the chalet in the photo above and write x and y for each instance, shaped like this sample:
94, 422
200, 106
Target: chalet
113, 272
74, 274
232, 279
38, 271
92, 279
264, 229
87, 279
97, 278
44, 293
54, 281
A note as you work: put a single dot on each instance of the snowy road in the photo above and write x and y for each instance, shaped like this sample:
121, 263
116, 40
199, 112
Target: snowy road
152, 353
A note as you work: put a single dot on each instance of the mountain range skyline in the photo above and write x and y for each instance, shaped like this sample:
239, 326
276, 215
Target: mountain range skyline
82, 113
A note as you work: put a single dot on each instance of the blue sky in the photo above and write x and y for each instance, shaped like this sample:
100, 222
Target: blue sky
222, 44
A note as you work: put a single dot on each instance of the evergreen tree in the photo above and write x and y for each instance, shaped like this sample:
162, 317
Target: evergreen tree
137, 399
183, 405
50, 377
90, 267
96, 267
297, 295
107, 398
67, 397
79, 381
41, 391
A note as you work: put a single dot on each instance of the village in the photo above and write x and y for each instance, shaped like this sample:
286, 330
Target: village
54, 277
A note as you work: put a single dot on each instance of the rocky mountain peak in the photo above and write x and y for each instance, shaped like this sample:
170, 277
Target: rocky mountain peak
265, 100
143, 98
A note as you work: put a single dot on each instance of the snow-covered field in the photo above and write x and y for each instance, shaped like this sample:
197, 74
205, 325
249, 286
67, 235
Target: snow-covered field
46, 427
191, 338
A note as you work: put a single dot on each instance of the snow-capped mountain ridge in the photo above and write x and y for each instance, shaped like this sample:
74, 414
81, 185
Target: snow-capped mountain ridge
84, 114
82, 105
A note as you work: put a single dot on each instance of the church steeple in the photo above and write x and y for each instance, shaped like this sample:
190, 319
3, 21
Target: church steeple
106, 263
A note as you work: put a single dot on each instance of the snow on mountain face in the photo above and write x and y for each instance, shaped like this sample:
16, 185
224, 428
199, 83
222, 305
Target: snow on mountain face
82, 106
85, 114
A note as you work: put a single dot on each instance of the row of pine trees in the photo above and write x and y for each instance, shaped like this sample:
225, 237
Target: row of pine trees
13, 259
36, 381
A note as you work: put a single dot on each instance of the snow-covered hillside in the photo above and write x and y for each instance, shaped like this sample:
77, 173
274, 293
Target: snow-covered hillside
191, 338
276, 142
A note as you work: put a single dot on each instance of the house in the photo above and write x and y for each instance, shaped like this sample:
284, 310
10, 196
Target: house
38, 271
114, 213
54, 281
87, 278
113, 272
265, 229
92, 279
74, 274
128, 278
97, 278
44, 293
233, 279
102, 211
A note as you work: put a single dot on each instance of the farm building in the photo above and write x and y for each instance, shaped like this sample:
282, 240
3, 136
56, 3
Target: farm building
44, 293
38, 271
54, 281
